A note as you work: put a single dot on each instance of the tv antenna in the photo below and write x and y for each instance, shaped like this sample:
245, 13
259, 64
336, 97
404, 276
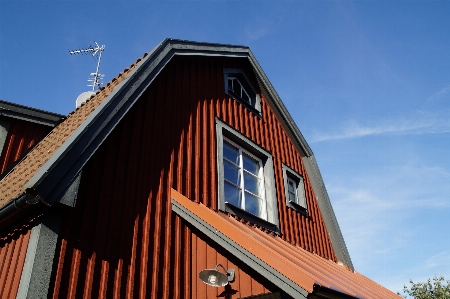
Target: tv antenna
97, 55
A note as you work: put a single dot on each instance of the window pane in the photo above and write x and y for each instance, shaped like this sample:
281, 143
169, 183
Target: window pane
237, 87
250, 164
251, 183
230, 84
292, 197
291, 186
231, 153
245, 97
231, 173
232, 194
252, 204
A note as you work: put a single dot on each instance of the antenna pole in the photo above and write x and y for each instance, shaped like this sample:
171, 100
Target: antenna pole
96, 76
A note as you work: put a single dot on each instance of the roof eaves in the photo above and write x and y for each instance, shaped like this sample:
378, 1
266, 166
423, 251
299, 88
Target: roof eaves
284, 264
61, 151
17, 111
238, 251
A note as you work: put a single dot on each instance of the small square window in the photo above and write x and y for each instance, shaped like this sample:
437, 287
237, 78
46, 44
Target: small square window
294, 189
246, 184
239, 88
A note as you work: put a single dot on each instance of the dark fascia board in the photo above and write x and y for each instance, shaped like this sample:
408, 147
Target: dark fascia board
34, 115
57, 174
315, 176
245, 256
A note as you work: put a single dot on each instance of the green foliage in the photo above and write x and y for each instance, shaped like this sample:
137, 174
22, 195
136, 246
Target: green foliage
437, 288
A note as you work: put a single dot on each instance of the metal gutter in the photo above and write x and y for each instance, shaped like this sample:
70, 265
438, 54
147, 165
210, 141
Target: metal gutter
21, 202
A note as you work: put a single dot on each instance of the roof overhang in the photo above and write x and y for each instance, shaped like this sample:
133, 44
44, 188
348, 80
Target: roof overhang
29, 114
295, 271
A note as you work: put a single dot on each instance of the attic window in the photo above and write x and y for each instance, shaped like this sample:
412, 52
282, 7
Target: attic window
236, 88
239, 88
294, 190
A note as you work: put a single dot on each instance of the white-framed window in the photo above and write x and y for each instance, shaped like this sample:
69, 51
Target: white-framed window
294, 189
246, 181
239, 88
243, 179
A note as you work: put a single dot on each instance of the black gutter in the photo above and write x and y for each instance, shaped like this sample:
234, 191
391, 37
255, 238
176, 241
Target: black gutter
18, 204
327, 293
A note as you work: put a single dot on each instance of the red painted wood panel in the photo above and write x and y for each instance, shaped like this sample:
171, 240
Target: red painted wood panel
13, 249
122, 240
21, 136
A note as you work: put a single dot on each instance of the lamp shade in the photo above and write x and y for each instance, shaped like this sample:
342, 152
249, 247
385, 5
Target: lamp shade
213, 277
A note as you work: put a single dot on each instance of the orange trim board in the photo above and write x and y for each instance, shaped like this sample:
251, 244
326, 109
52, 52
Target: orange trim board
303, 268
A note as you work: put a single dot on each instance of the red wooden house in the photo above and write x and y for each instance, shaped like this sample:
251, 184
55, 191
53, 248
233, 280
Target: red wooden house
186, 160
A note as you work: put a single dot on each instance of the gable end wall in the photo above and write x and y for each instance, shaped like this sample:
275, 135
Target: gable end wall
122, 238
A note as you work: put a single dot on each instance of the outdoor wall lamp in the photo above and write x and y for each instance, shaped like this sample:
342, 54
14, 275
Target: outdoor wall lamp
215, 278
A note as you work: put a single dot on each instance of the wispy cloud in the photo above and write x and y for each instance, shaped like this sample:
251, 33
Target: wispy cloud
386, 220
442, 258
419, 123
441, 93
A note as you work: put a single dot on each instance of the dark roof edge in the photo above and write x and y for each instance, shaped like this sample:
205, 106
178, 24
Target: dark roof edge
324, 202
17, 111
279, 105
240, 253
80, 146
313, 169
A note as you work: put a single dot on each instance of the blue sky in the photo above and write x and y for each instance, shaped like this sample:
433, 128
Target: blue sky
367, 82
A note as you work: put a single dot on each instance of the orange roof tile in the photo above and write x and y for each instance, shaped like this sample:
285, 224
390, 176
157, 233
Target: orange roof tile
13, 184
303, 268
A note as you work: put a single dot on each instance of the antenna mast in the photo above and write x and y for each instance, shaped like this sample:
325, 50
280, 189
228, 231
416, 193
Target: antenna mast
97, 55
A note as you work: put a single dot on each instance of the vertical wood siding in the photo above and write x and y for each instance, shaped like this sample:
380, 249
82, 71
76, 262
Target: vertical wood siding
122, 240
21, 136
204, 256
13, 249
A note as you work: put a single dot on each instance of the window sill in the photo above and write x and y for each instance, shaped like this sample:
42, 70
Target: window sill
245, 104
298, 208
234, 210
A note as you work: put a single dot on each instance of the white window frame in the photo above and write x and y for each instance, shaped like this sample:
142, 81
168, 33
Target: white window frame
229, 134
235, 79
260, 176
289, 175
255, 100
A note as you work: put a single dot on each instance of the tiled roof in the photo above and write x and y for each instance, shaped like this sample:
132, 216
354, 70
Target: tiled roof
13, 184
271, 253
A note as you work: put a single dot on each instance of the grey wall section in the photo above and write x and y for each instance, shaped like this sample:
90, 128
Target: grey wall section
35, 279
4, 126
